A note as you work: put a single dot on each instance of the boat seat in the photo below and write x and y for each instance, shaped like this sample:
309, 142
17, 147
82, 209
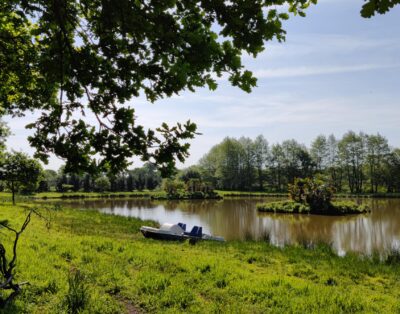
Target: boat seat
196, 232
182, 225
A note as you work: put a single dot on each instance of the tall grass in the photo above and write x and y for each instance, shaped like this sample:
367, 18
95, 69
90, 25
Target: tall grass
119, 269
77, 297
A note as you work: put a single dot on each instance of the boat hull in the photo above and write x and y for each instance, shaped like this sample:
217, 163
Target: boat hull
162, 236
171, 233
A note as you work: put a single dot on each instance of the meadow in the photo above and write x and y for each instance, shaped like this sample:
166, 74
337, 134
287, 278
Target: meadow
87, 262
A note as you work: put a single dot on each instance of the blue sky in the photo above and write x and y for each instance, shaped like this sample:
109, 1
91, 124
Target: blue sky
335, 72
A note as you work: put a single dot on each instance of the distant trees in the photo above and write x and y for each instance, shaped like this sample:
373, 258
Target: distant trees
102, 184
356, 163
377, 151
245, 164
352, 155
319, 152
391, 171
145, 177
20, 173
229, 165
261, 153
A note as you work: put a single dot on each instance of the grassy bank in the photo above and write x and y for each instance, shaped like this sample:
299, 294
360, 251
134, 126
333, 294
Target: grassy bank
156, 194
146, 194
123, 272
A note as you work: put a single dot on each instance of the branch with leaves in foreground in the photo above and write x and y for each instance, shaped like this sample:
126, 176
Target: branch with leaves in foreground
7, 266
79, 65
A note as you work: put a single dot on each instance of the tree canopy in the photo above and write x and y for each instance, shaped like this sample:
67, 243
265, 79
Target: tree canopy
73, 59
20, 172
377, 6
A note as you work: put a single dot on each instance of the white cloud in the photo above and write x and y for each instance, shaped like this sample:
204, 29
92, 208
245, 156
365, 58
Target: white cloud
318, 70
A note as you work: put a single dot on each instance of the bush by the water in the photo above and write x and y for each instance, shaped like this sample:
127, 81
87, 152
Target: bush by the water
191, 189
312, 196
313, 192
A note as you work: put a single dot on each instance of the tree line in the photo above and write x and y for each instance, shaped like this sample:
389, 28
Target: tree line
21, 174
355, 163
146, 177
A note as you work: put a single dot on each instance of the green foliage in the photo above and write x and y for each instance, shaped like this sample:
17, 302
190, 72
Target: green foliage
312, 196
4, 133
173, 187
356, 163
377, 6
190, 173
102, 184
91, 57
313, 192
192, 189
230, 164
284, 207
348, 207
20, 173
67, 187
145, 177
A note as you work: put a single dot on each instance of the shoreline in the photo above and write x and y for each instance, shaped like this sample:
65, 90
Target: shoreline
159, 195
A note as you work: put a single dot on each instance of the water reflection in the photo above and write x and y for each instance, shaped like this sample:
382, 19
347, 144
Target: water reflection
233, 219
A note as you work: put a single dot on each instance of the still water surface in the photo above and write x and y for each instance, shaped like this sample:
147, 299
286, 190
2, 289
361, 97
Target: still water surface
237, 218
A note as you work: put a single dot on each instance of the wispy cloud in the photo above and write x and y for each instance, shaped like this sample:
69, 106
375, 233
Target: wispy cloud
318, 70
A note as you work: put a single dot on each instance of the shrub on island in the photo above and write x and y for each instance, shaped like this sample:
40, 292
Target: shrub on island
312, 196
176, 189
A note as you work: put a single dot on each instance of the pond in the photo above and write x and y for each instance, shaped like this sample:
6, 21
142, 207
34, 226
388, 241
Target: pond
238, 219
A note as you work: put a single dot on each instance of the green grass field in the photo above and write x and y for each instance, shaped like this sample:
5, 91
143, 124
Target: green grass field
124, 273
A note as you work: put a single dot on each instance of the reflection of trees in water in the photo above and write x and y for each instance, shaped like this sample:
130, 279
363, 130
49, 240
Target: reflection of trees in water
378, 231
286, 229
192, 206
366, 235
232, 219
238, 219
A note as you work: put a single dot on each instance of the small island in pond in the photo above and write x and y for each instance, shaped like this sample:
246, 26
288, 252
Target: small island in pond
311, 196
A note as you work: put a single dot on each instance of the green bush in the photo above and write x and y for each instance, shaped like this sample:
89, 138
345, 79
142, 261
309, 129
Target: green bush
348, 207
284, 207
102, 184
313, 192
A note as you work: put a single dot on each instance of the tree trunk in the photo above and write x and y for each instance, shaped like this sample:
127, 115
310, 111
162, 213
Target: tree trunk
13, 192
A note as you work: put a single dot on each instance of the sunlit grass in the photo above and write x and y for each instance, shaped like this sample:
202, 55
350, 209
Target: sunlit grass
121, 269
